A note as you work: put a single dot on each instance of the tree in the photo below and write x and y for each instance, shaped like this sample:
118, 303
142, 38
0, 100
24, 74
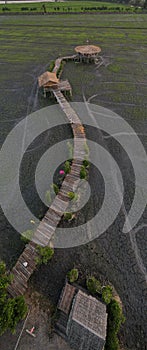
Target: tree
12, 310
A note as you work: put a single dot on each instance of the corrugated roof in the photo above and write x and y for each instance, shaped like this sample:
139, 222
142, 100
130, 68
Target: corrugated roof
47, 77
66, 298
90, 313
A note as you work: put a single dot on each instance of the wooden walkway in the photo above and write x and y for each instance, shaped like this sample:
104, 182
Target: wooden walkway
62, 85
44, 235
60, 60
21, 273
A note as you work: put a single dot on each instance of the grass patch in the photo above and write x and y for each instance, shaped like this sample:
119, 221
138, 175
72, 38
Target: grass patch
115, 68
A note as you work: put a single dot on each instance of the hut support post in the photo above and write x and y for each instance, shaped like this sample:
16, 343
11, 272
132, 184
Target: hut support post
44, 92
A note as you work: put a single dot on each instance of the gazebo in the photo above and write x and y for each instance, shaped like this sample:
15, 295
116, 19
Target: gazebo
87, 53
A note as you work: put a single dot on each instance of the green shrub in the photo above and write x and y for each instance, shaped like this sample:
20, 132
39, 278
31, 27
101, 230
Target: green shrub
86, 163
73, 275
67, 167
107, 294
17, 310
45, 254
67, 216
115, 319
48, 197
115, 315
56, 189
26, 236
72, 196
93, 285
83, 173
51, 66
111, 341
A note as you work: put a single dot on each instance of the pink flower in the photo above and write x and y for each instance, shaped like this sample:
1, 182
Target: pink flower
61, 172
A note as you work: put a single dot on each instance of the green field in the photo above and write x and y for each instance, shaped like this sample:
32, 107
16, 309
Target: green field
68, 7
34, 41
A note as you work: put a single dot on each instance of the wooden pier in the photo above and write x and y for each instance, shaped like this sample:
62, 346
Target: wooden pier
49, 80
44, 235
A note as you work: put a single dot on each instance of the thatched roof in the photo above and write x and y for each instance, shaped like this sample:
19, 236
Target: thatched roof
66, 298
88, 49
90, 313
47, 77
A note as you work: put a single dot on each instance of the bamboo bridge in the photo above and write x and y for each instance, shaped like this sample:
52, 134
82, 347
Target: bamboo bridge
44, 234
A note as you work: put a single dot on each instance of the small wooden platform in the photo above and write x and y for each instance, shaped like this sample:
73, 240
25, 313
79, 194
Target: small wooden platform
62, 85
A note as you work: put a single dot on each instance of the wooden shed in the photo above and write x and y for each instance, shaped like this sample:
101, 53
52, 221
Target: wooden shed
83, 319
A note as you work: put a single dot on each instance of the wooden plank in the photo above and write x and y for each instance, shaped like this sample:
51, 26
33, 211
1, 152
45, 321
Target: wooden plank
52, 219
23, 270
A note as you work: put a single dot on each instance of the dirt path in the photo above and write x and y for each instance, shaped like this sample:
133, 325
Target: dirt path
39, 315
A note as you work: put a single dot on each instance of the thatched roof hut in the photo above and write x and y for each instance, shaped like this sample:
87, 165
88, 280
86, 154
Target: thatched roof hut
83, 319
88, 50
48, 79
